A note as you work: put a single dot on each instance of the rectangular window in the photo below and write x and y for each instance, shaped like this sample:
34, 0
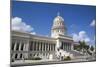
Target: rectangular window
34, 45
22, 46
44, 46
41, 46
31, 45
54, 47
38, 46
20, 55
12, 47
15, 56
17, 46
49, 47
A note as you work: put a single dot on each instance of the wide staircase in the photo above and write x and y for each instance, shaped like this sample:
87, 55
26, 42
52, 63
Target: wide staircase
75, 53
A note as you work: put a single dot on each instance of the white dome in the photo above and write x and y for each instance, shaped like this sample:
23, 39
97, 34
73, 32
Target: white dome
58, 26
58, 19
58, 23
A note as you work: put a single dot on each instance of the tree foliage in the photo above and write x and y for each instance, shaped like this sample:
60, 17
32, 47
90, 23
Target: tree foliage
92, 48
83, 47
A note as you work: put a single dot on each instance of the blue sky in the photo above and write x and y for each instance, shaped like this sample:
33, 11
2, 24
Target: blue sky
40, 17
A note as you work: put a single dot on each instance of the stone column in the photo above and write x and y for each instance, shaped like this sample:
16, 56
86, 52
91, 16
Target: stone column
45, 46
13, 56
18, 56
48, 46
53, 47
66, 47
27, 45
15, 45
39, 46
42, 46
72, 46
24, 47
20, 44
58, 45
36, 45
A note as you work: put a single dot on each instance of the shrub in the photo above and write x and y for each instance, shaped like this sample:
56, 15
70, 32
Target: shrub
33, 58
12, 60
37, 58
67, 58
89, 52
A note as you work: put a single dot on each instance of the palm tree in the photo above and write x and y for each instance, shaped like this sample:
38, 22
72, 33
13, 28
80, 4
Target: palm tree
83, 46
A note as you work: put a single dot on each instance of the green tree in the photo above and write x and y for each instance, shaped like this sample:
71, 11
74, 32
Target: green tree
82, 45
92, 48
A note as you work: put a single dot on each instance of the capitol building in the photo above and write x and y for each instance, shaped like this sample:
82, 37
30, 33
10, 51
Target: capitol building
26, 46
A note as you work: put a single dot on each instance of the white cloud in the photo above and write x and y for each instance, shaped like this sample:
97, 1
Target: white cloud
75, 37
19, 25
33, 33
92, 23
81, 36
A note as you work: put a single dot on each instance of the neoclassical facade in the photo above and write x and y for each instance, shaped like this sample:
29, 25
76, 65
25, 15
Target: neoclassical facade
25, 45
